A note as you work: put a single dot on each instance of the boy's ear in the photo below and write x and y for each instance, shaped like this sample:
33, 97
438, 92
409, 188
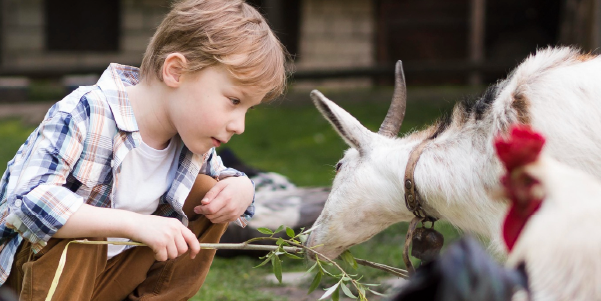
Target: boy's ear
173, 68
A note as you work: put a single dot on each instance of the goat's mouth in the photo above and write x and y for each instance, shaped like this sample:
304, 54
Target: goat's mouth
324, 253
310, 243
323, 257
321, 247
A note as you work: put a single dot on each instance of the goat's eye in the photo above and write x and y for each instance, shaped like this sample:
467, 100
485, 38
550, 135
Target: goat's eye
338, 165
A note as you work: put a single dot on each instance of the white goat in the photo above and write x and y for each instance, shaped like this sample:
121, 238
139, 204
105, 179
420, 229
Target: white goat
557, 91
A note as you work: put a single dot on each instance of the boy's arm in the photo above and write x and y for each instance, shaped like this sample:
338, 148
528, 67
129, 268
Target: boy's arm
167, 237
38, 203
231, 198
41, 207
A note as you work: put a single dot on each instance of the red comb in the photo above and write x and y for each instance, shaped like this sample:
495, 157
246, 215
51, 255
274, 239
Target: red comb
521, 147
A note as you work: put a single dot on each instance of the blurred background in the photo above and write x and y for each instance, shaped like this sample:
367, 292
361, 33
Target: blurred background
451, 49
352, 42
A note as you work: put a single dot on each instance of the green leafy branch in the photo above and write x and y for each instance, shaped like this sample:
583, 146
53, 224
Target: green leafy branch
344, 279
287, 247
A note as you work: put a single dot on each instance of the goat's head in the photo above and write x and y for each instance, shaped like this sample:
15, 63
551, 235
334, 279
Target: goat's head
364, 199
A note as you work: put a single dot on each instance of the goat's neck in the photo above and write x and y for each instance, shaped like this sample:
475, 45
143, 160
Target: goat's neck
457, 174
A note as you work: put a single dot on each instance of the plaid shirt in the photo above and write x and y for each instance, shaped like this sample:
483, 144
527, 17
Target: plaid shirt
75, 156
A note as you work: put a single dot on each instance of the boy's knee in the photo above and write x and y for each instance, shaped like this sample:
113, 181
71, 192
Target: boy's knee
201, 186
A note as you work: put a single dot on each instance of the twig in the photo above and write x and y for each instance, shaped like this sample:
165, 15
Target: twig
395, 271
223, 246
245, 246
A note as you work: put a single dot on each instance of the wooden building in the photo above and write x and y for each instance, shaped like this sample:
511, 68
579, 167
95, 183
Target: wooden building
333, 41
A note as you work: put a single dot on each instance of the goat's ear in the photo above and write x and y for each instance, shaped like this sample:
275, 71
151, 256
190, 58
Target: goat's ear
350, 129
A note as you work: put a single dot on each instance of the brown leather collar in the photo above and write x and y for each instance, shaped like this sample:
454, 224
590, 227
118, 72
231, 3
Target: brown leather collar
412, 197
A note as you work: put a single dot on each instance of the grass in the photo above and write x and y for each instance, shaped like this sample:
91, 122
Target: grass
13, 133
291, 137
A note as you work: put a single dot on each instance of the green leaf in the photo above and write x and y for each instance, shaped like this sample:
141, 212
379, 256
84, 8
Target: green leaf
349, 258
347, 291
303, 238
315, 282
265, 231
330, 291
292, 256
361, 290
376, 293
308, 231
290, 232
336, 295
280, 241
277, 268
311, 268
264, 262
328, 273
280, 228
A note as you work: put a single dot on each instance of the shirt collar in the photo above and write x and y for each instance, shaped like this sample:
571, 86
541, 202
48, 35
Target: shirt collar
112, 83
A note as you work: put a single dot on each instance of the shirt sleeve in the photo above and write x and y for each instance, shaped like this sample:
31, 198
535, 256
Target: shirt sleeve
39, 204
214, 167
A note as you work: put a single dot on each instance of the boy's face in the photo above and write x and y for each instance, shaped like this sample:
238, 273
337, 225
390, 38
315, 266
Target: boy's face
209, 107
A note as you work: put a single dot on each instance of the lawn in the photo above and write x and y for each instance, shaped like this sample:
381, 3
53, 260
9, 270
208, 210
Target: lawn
290, 137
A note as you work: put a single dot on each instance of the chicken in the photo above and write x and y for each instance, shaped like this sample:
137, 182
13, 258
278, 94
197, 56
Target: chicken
550, 226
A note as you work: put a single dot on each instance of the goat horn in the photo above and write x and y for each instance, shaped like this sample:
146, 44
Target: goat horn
396, 113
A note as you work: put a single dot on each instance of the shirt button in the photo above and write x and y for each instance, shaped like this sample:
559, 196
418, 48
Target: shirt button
18, 203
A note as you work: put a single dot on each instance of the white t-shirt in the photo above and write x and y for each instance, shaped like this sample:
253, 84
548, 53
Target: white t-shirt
146, 174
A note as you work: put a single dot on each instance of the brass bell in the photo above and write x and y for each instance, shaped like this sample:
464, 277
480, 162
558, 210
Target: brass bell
427, 243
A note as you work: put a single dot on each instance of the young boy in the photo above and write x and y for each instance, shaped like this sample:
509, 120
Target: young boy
118, 161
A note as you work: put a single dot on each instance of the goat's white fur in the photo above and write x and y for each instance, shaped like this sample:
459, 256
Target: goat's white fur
458, 171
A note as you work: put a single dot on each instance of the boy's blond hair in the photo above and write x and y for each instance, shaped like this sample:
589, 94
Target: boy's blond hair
227, 32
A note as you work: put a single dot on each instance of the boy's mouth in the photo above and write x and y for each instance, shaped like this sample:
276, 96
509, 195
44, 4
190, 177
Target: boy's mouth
216, 142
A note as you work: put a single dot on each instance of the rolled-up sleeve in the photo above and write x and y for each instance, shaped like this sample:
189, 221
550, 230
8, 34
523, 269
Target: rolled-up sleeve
39, 204
214, 167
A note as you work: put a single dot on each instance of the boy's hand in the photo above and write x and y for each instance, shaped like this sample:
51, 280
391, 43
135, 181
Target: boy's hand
167, 237
227, 200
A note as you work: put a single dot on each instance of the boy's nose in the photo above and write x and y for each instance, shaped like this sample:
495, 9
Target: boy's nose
236, 125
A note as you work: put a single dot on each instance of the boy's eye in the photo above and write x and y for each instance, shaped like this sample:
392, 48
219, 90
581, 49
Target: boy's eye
235, 101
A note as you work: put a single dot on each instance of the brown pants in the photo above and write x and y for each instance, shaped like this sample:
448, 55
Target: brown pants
132, 275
